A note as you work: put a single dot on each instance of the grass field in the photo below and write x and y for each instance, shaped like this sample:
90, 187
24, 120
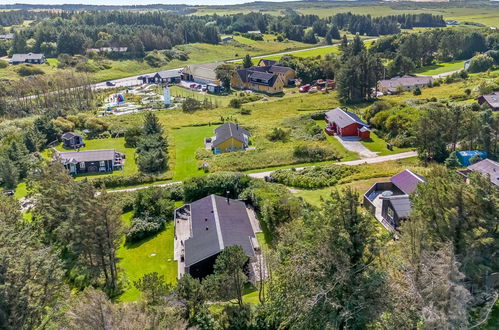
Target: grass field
187, 141
218, 100
376, 144
440, 68
150, 255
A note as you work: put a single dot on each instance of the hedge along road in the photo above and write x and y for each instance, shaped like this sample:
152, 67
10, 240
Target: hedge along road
261, 175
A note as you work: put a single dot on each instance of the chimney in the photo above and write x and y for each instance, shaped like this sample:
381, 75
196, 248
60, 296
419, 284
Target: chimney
237, 126
206, 228
228, 199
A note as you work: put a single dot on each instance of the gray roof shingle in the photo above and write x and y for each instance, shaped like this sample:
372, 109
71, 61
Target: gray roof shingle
407, 181
487, 167
86, 156
343, 118
217, 224
24, 57
229, 130
405, 81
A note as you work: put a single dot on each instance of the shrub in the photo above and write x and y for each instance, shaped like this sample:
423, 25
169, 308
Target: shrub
114, 181
86, 67
416, 91
314, 177
132, 136
304, 128
278, 134
245, 111
190, 105
154, 59
3, 64
235, 103
314, 152
481, 63
29, 70
217, 183
144, 227
154, 201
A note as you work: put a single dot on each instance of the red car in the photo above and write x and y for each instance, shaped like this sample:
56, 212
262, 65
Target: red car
305, 88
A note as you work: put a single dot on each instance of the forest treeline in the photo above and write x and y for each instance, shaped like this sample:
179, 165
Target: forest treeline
74, 32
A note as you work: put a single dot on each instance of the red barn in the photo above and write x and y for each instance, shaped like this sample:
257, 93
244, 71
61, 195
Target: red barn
346, 123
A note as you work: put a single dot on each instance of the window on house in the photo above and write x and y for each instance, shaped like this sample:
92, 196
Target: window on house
390, 213
82, 165
102, 163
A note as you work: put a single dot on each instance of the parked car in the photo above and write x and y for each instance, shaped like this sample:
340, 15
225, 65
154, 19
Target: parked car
305, 88
110, 83
192, 85
313, 90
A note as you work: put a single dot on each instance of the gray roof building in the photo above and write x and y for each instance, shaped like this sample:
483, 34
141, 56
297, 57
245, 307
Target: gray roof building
405, 83
30, 57
86, 156
407, 181
491, 99
206, 227
230, 130
343, 118
488, 168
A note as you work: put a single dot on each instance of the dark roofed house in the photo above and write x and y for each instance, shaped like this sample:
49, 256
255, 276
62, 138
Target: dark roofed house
162, 77
8, 36
266, 79
230, 137
389, 201
486, 167
404, 83
204, 228
31, 58
72, 140
491, 99
346, 123
91, 161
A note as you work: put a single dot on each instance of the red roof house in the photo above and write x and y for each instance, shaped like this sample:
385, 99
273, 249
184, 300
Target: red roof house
346, 123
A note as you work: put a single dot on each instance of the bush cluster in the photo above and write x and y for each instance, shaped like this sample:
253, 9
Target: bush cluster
314, 152
113, 181
304, 128
144, 227
314, 177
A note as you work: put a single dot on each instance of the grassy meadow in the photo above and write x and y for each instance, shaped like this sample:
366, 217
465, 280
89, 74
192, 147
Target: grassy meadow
439, 68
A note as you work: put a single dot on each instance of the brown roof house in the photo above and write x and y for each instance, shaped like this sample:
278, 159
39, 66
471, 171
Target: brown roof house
389, 201
404, 84
491, 99
91, 161
205, 227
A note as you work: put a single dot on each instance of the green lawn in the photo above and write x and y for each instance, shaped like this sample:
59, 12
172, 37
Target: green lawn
150, 255
376, 144
440, 68
219, 100
10, 72
187, 141
110, 143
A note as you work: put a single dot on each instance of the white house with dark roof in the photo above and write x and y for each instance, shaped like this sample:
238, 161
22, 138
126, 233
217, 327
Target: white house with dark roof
30, 58
404, 84
205, 227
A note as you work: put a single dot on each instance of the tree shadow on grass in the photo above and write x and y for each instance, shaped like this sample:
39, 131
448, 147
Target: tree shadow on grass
134, 245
